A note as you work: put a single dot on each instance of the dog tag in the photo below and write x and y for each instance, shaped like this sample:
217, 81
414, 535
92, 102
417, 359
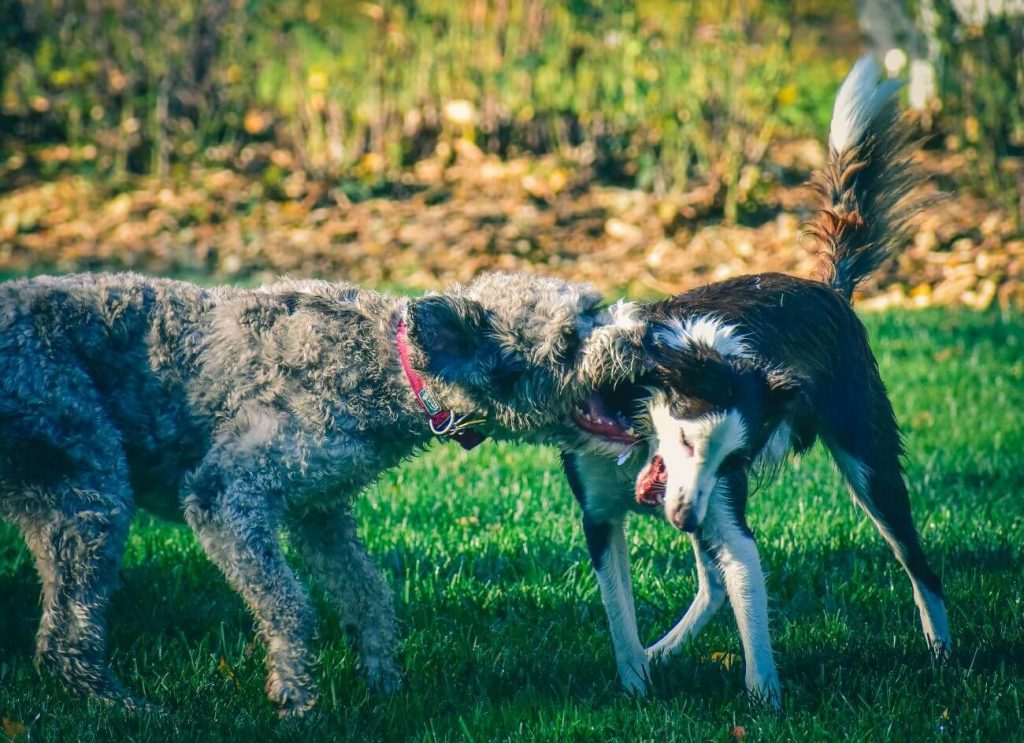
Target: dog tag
430, 402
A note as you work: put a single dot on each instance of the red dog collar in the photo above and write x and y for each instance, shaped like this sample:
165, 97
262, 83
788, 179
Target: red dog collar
442, 422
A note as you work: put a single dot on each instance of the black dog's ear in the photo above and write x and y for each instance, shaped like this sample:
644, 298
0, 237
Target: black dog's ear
695, 370
452, 332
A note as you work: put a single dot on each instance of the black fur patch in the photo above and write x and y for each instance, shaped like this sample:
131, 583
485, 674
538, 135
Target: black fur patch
597, 533
575, 483
737, 499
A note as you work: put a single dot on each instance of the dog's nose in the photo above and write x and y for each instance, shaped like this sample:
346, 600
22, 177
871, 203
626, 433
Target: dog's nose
685, 518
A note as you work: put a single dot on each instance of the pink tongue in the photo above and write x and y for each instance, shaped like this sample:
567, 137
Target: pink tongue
650, 488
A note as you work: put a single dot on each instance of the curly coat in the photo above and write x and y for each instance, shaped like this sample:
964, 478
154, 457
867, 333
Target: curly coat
249, 412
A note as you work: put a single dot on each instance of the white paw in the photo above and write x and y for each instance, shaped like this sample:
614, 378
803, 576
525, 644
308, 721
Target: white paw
635, 676
656, 653
765, 690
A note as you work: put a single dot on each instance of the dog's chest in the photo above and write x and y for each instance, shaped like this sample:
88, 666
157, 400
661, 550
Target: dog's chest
605, 490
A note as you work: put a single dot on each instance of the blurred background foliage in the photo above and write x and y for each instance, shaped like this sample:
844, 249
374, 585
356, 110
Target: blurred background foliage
357, 90
242, 139
981, 88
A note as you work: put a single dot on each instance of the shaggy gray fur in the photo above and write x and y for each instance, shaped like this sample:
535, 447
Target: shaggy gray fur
256, 411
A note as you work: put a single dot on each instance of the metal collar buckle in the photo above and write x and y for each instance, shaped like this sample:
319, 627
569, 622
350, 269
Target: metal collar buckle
453, 424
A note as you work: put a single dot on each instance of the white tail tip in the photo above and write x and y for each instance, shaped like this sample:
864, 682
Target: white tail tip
858, 102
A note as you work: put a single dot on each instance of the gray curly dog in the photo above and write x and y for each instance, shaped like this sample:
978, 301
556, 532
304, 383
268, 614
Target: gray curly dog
252, 412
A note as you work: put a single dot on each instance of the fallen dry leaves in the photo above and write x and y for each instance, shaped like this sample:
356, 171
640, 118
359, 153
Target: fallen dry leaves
228, 671
454, 219
13, 729
725, 660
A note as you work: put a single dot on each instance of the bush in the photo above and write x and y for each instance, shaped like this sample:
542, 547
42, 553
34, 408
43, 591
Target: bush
982, 89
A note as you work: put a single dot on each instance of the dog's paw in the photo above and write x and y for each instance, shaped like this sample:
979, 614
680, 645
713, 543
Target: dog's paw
942, 650
293, 699
383, 676
118, 699
655, 655
296, 707
765, 693
139, 706
634, 685
635, 676
661, 653
295, 703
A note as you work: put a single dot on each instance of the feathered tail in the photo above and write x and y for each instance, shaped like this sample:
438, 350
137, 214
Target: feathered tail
865, 183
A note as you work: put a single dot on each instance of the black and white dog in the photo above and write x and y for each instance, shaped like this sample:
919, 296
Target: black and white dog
746, 370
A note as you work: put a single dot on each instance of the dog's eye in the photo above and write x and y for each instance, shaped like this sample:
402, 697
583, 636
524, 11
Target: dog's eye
686, 444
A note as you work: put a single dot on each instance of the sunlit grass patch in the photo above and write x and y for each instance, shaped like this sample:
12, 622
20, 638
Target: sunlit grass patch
505, 635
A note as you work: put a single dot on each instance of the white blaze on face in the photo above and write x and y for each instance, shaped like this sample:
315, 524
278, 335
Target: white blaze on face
693, 449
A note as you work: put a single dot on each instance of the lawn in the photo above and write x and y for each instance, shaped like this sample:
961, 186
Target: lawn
506, 636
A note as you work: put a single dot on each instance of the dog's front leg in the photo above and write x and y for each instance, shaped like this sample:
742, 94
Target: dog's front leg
710, 597
234, 516
333, 552
730, 540
610, 558
603, 497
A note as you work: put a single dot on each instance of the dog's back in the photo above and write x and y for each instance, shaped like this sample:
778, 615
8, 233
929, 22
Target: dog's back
95, 360
102, 322
784, 319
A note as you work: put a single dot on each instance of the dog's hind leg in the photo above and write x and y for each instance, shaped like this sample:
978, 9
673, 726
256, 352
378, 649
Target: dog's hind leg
604, 499
710, 597
235, 515
333, 552
877, 486
725, 535
64, 483
76, 532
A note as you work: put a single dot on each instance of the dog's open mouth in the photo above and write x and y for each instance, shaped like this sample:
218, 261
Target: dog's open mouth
601, 415
650, 485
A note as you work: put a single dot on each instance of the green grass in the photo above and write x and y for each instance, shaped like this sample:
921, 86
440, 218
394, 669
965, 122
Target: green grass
505, 634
